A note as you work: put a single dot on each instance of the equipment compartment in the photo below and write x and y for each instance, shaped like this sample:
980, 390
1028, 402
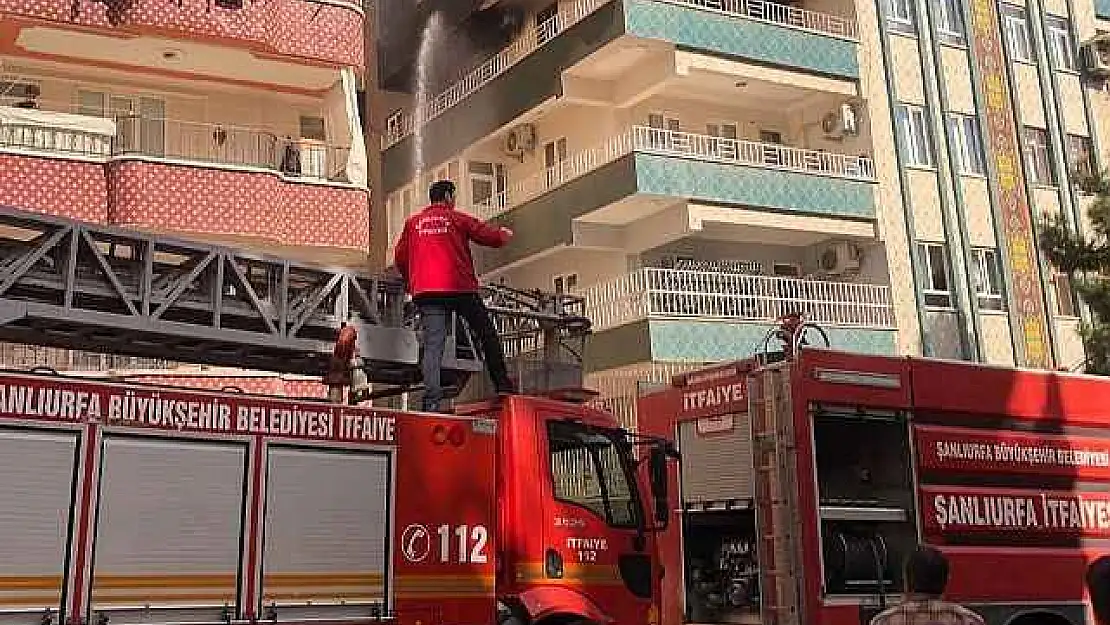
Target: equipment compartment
865, 490
721, 567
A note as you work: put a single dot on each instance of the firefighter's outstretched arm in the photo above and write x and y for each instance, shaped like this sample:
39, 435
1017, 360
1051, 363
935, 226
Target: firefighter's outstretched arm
484, 234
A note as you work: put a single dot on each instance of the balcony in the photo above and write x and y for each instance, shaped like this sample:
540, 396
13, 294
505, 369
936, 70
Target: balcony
756, 31
327, 31
822, 171
92, 138
703, 316
231, 146
242, 185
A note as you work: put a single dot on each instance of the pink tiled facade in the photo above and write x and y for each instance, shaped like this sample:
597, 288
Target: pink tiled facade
73, 189
214, 201
293, 28
132, 193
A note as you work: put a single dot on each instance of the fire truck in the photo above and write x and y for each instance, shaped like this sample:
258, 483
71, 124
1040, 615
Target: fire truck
142, 504
804, 483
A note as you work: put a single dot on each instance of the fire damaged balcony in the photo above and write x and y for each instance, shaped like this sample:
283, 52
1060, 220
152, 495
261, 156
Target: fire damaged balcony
811, 47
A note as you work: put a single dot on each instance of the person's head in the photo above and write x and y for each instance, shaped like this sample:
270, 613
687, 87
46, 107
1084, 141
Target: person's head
926, 572
1098, 586
442, 192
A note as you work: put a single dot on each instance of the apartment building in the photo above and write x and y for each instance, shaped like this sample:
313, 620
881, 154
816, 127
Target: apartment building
698, 167
227, 121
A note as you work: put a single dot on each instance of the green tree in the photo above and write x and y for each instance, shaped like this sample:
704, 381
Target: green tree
1086, 261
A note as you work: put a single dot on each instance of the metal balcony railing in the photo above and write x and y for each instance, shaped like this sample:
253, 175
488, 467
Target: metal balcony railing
224, 144
781, 14
682, 145
217, 144
651, 293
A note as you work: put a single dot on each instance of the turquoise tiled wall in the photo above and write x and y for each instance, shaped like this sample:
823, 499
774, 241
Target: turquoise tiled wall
708, 341
754, 186
742, 38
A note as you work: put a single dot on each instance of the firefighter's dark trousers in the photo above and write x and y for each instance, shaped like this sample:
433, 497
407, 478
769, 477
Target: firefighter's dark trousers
435, 315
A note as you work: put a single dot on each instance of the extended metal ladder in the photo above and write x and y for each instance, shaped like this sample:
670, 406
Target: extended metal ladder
777, 519
74, 285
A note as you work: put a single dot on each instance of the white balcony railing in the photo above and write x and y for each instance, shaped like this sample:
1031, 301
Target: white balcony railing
781, 14
680, 145
530, 40
61, 141
651, 293
534, 38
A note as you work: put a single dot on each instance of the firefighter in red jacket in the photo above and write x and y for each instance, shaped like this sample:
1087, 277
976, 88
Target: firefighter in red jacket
433, 256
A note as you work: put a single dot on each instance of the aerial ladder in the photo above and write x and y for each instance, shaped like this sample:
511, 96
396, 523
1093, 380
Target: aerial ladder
75, 285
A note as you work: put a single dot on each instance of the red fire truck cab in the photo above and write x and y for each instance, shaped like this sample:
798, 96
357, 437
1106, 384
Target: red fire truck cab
128, 504
803, 485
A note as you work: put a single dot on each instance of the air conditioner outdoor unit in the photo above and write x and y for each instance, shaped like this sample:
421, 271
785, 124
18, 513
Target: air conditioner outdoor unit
1095, 55
520, 141
840, 258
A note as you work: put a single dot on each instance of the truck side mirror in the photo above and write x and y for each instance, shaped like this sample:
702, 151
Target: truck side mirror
657, 470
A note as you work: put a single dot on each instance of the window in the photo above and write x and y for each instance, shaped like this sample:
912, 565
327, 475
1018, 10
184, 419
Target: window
899, 15
786, 270
934, 275
950, 21
565, 283
554, 154
1038, 159
141, 123
722, 130
1016, 27
916, 148
988, 280
20, 94
312, 148
1081, 157
963, 131
1061, 51
312, 128
1066, 306
487, 184
725, 135
589, 469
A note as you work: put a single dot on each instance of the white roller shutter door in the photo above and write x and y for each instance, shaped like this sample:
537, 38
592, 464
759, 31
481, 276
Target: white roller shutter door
170, 516
716, 467
36, 496
326, 527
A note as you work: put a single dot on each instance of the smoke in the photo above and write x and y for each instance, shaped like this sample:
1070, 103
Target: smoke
470, 32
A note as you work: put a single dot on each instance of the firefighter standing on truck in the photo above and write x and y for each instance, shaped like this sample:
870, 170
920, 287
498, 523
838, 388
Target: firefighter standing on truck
433, 256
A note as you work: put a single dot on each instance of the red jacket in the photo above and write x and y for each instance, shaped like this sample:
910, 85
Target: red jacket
433, 253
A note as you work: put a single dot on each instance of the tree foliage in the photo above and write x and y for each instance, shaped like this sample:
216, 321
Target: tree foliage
1086, 260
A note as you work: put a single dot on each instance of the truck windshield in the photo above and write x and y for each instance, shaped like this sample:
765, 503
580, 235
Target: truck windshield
590, 468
